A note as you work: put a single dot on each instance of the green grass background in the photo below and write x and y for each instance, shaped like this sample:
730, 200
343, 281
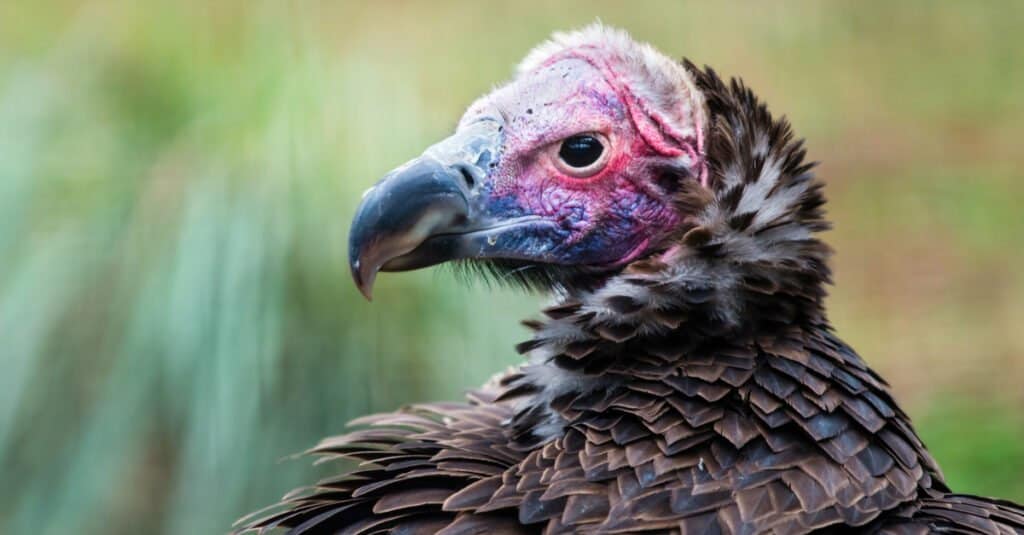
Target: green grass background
177, 178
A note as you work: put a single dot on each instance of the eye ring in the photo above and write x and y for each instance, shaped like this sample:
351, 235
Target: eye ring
582, 155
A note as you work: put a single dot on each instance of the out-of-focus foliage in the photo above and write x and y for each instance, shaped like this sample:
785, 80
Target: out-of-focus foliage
176, 181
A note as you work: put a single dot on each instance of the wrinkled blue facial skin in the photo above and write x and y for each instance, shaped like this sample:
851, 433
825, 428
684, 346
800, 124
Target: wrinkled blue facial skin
572, 237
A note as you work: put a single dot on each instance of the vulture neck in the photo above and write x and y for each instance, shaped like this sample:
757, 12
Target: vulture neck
745, 271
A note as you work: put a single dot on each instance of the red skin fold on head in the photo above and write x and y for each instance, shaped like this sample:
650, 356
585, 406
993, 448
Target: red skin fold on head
652, 126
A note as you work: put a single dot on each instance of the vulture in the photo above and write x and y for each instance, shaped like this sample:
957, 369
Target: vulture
685, 377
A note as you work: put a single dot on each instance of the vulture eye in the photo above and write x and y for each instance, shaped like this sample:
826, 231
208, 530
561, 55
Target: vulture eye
582, 155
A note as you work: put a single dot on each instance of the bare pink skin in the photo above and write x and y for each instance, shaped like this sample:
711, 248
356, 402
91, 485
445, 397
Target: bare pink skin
611, 217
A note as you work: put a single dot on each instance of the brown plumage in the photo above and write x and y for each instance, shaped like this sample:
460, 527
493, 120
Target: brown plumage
699, 389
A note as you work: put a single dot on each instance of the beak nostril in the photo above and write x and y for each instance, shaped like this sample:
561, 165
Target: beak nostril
467, 177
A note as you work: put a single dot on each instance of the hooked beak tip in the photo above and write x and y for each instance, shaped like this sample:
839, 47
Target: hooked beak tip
364, 279
428, 197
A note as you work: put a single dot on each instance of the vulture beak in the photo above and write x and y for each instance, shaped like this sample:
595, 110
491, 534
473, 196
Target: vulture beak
431, 210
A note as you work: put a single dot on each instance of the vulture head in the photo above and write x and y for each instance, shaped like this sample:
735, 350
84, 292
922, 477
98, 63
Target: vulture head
605, 161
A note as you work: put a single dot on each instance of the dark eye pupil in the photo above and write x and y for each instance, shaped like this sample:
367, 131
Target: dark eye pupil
580, 151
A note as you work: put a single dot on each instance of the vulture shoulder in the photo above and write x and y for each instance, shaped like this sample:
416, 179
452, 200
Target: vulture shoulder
791, 436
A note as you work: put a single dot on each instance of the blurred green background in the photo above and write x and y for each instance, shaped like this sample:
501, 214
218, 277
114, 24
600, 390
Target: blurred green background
176, 181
